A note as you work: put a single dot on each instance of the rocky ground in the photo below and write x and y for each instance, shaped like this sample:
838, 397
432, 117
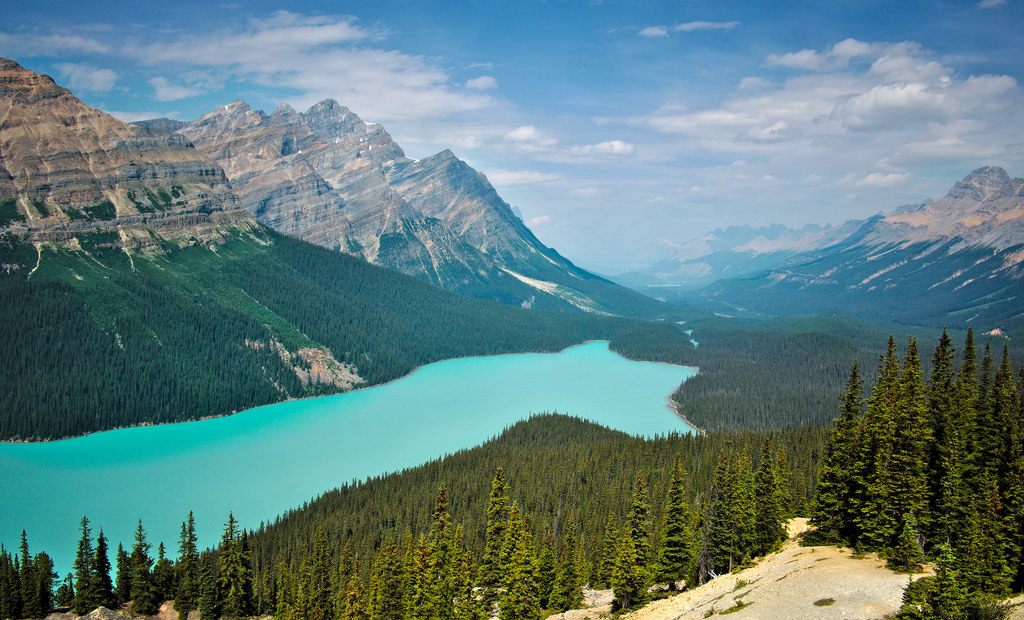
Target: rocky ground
795, 583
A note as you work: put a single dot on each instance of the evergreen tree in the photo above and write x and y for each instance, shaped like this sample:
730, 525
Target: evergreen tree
949, 599
911, 435
547, 566
873, 519
45, 577
235, 579
123, 579
163, 575
10, 586
676, 551
769, 530
84, 570
187, 569
639, 522
144, 594
490, 572
739, 496
209, 598
608, 552
441, 569
384, 600
318, 577
907, 555
566, 593
520, 600
355, 598
101, 589
629, 579
65, 596
29, 581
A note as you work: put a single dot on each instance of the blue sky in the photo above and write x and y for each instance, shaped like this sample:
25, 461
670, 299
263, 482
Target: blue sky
617, 128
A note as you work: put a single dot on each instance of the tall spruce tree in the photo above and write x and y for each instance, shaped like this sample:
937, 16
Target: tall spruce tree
235, 581
676, 553
490, 572
769, 521
608, 550
873, 518
566, 593
187, 570
123, 579
639, 522
520, 599
84, 570
144, 595
629, 579
209, 598
833, 502
442, 566
101, 587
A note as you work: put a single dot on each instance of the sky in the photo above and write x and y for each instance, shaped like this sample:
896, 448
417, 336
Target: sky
618, 129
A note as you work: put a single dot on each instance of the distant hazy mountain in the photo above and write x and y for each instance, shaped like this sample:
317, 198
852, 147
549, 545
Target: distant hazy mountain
958, 261
728, 253
329, 178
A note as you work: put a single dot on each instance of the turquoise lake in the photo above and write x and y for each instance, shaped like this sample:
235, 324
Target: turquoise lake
261, 462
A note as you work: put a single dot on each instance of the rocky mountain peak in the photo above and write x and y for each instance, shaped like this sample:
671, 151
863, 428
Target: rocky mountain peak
67, 167
285, 110
985, 183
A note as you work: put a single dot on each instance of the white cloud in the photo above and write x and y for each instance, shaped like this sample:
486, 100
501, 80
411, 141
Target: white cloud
614, 148
540, 220
880, 179
691, 26
528, 138
852, 105
654, 31
663, 31
13, 45
484, 82
320, 57
165, 91
520, 177
85, 77
991, 4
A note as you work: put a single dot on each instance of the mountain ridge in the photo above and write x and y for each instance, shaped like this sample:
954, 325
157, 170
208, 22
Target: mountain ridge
957, 261
328, 177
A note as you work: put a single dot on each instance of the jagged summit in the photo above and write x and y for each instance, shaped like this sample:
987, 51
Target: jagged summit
986, 183
328, 177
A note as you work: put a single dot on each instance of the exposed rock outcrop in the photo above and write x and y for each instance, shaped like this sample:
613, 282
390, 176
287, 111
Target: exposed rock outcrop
66, 168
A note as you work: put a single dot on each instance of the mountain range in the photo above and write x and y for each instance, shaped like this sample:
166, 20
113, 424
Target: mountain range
135, 288
329, 178
953, 262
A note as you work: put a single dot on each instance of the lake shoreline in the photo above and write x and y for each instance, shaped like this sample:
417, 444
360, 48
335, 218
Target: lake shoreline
671, 405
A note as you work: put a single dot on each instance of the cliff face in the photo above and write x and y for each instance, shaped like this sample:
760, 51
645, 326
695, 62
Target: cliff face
329, 178
66, 167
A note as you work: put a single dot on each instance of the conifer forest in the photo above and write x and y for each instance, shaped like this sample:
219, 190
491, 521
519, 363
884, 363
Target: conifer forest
924, 465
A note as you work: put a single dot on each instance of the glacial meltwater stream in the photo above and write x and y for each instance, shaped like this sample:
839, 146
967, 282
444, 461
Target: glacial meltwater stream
261, 462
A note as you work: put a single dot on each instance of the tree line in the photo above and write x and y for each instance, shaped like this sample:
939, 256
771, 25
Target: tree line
932, 469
